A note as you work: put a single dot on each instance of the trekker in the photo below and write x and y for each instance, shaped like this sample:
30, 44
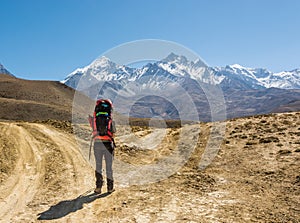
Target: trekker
103, 136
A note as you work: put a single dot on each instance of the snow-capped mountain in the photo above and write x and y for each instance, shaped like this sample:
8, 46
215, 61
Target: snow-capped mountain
256, 78
176, 67
3, 70
102, 69
284, 80
197, 70
164, 87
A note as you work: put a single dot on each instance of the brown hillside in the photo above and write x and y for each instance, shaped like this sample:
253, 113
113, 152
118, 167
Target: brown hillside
35, 100
293, 106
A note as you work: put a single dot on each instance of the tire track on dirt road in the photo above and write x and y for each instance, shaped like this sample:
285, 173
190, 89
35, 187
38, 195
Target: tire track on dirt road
23, 183
49, 169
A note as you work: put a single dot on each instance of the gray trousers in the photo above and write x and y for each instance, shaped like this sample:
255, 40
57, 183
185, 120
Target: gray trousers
104, 150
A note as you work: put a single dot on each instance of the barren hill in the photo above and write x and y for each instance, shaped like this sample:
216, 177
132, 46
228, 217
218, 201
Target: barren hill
254, 177
34, 100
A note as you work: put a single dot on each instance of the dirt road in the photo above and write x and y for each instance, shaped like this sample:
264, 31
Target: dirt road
254, 178
48, 168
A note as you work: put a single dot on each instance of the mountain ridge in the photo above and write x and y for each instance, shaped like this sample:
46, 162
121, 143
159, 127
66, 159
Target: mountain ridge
103, 69
150, 90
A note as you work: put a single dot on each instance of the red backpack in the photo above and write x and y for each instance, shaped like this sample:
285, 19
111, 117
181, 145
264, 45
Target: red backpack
101, 122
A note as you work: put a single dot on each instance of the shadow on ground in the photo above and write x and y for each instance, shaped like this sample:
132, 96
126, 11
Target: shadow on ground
64, 208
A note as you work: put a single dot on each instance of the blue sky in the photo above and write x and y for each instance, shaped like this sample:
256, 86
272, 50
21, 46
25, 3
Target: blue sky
48, 39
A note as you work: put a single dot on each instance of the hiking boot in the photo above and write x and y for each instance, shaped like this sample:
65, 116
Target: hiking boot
99, 179
98, 190
110, 186
110, 190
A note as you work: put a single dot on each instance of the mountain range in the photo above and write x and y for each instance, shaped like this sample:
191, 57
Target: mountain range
175, 66
173, 88
163, 88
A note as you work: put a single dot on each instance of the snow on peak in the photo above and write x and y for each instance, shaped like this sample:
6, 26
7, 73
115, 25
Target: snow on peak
237, 66
199, 63
103, 69
173, 58
102, 62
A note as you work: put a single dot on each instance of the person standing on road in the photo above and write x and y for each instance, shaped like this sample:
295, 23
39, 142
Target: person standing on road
103, 136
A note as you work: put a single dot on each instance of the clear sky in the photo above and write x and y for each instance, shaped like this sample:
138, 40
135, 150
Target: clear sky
48, 39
